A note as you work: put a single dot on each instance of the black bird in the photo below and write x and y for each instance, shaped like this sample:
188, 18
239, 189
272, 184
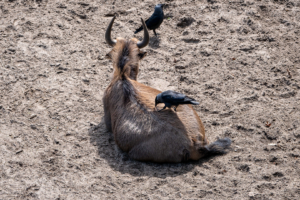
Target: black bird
155, 20
172, 98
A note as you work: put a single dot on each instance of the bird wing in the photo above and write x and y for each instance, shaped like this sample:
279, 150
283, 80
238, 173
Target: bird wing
154, 21
141, 27
172, 96
190, 100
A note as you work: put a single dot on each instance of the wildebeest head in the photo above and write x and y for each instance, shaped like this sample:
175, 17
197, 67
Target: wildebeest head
126, 54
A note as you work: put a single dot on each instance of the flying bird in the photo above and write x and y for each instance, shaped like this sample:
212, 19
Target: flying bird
155, 20
171, 98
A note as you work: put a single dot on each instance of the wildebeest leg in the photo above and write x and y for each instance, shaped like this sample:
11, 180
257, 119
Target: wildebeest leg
141, 152
108, 122
186, 155
162, 109
107, 118
151, 151
154, 32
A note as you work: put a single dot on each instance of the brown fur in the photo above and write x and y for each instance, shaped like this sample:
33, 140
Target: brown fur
138, 128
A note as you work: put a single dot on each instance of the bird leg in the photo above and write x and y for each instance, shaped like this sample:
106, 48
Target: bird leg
154, 32
175, 107
162, 109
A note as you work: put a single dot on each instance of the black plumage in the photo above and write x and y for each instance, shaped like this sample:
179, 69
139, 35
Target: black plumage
155, 20
171, 98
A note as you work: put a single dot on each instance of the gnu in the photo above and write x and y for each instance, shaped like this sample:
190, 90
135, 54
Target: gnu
130, 114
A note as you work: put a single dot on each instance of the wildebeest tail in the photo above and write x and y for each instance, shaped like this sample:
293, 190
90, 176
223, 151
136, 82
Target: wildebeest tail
218, 147
138, 30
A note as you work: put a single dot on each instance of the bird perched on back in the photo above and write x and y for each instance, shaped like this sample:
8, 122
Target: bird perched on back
155, 20
171, 98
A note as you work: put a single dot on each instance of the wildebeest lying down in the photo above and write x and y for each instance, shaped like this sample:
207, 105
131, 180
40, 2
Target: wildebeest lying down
129, 107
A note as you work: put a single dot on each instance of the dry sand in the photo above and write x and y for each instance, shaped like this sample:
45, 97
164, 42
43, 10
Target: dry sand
240, 59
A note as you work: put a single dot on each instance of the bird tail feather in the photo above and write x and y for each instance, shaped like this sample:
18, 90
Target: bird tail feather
194, 102
138, 30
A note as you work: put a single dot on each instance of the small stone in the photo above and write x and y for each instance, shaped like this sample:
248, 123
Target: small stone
33, 127
278, 174
20, 151
251, 194
32, 116
244, 168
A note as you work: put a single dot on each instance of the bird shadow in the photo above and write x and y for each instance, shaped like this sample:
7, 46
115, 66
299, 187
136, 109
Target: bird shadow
120, 161
154, 42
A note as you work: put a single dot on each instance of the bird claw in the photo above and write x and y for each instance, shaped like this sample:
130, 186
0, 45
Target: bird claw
175, 107
162, 109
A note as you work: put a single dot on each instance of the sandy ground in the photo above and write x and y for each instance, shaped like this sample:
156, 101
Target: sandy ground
238, 58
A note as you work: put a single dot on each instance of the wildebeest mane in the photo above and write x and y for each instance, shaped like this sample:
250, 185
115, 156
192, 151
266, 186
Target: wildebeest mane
126, 61
128, 90
123, 57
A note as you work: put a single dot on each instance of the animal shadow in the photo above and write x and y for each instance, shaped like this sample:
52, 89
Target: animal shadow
120, 161
154, 42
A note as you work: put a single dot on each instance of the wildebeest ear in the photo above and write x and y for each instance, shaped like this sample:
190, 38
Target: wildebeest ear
142, 55
108, 56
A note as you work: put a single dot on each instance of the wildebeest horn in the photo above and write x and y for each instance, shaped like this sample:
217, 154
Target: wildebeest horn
108, 33
146, 39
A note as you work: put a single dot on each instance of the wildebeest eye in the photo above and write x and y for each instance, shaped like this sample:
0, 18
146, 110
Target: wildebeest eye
142, 55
